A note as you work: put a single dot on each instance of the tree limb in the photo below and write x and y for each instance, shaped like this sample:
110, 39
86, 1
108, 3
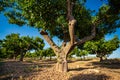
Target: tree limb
72, 21
50, 41
87, 38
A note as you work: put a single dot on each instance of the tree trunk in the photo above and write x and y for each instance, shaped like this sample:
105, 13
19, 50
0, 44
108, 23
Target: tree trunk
40, 57
83, 57
50, 57
62, 65
21, 57
105, 57
101, 59
14, 57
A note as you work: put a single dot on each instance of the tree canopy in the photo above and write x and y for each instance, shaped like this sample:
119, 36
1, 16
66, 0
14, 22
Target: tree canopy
14, 45
50, 15
102, 47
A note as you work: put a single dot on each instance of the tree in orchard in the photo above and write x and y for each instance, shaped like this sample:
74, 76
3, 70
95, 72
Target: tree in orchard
49, 52
69, 20
14, 45
2, 54
10, 45
27, 44
83, 53
102, 47
78, 53
39, 47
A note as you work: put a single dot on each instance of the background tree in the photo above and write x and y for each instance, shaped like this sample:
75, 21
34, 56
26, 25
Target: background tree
69, 20
79, 53
21, 45
7, 45
83, 53
102, 47
2, 54
50, 53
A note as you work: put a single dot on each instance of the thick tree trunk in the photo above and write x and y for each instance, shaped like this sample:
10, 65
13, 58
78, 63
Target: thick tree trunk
14, 57
83, 57
50, 58
62, 65
21, 56
101, 59
40, 57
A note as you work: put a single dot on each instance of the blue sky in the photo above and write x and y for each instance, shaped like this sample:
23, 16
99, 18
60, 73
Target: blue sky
6, 28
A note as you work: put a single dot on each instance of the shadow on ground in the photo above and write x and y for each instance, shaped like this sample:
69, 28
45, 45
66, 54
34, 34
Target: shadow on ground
78, 69
111, 64
15, 70
90, 77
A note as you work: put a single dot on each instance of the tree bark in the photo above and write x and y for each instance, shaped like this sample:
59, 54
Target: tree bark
62, 65
40, 57
15, 56
50, 57
101, 59
21, 57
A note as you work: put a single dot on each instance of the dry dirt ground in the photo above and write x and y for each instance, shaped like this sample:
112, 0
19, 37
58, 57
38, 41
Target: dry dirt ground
44, 70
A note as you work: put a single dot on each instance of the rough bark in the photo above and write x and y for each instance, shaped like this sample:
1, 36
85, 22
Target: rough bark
15, 56
62, 65
50, 41
101, 59
71, 21
21, 57
50, 57
40, 57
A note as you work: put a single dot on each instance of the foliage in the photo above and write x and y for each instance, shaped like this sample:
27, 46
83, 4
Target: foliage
78, 52
44, 53
102, 47
14, 45
48, 53
50, 15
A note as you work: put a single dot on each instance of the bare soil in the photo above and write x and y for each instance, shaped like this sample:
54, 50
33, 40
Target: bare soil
45, 70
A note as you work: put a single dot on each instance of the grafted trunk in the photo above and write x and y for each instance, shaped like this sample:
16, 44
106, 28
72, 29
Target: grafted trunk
21, 57
40, 57
101, 59
50, 57
14, 57
62, 65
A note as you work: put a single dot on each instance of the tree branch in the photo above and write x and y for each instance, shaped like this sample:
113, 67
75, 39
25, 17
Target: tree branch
68, 48
72, 21
50, 41
87, 38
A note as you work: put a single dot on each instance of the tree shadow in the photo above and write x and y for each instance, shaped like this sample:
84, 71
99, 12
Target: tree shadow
90, 77
49, 61
77, 60
111, 64
11, 70
77, 69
